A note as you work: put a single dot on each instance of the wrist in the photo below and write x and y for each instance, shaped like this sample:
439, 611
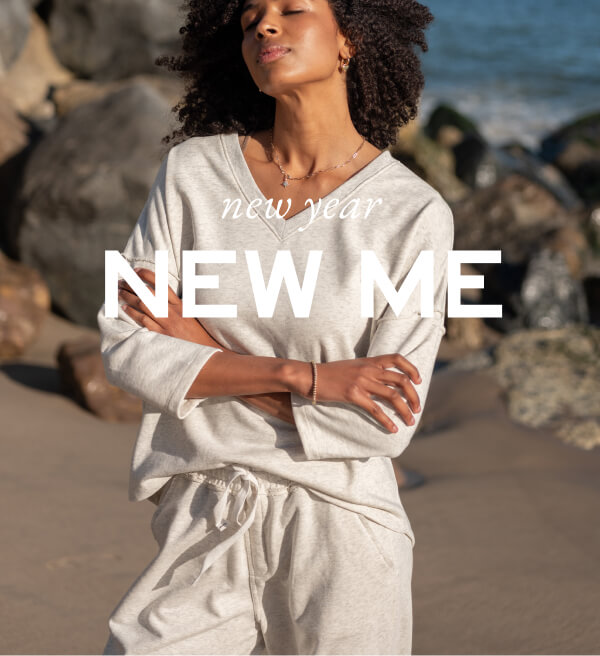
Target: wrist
297, 376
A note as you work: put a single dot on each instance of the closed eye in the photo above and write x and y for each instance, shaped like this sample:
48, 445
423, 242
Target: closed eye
297, 11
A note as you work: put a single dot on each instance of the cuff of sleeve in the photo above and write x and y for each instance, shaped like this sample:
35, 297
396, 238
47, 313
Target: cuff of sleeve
143, 263
301, 412
178, 405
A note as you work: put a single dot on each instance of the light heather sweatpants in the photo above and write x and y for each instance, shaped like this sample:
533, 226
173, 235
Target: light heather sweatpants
250, 563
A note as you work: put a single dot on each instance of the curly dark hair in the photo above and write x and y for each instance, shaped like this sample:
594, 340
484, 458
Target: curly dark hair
384, 81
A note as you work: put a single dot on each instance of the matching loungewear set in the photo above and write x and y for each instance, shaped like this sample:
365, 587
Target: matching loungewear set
272, 537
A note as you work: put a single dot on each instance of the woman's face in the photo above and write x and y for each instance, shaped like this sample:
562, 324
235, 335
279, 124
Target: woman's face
307, 28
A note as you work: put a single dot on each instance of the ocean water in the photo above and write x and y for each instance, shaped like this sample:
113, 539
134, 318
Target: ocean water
519, 68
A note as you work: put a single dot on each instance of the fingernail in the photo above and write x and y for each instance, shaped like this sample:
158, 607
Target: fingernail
395, 428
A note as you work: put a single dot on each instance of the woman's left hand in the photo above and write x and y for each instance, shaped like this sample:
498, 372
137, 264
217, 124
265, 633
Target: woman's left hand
175, 325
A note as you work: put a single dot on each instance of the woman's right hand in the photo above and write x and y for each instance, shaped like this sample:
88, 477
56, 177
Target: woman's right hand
355, 381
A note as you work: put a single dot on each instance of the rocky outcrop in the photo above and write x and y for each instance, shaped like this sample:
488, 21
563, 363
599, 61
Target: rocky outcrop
552, 381
107, 40
83, 191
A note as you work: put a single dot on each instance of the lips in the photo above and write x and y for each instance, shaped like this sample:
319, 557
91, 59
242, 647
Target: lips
271, 53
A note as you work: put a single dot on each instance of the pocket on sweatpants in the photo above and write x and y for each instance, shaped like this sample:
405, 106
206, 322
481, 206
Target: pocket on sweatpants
386, 542
161, 501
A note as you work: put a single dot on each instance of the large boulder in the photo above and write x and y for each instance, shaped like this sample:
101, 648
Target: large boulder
552, 381
108, 40
83, 189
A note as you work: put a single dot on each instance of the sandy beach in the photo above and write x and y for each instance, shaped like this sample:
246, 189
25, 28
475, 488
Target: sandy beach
507, 547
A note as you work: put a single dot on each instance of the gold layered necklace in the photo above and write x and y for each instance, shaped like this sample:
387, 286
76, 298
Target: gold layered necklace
287, 177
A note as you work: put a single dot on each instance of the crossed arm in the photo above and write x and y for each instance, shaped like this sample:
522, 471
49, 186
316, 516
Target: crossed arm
162, 366
277, 404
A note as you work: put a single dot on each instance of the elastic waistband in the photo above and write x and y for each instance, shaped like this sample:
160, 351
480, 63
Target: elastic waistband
267, 483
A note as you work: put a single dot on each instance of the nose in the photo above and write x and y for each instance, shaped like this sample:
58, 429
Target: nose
266, 25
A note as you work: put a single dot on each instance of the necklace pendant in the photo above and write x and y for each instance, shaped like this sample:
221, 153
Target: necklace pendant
285, 182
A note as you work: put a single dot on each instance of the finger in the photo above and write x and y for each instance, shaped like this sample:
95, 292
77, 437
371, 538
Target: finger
142, 319
149, 277
133, 301
403, 364
378, 414
393, 397
401, 380
127, 287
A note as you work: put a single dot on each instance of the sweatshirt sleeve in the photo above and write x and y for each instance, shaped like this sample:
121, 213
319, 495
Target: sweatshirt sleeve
157, 368
331, 430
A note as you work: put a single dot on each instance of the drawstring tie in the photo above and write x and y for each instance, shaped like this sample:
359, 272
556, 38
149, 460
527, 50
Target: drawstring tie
220, 512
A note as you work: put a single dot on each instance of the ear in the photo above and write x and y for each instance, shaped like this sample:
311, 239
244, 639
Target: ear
346, 48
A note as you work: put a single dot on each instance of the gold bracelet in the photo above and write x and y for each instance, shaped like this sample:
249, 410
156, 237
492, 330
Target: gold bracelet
314, 388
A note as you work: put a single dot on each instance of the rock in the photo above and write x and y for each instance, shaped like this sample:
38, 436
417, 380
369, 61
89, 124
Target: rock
591, 286
473, 164
474, 160
445, 115
503, 218
572, 243
36, 69
575, 150
551, 297
82, 377
79, 92
594, 224
83, 191
512, 215
14, 148
13, 132
449, 136
14, 28
473, 361
107, 40
467, 331
24, 303
432, 162
552, 381
516, 158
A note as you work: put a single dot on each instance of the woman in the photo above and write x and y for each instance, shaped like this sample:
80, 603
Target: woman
270, 421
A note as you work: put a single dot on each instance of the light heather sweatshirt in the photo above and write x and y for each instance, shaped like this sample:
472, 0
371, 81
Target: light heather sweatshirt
338, 450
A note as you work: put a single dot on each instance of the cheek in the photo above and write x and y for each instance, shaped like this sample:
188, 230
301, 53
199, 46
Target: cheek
317, 50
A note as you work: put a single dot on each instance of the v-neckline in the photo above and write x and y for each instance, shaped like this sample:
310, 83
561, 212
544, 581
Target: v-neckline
283, 228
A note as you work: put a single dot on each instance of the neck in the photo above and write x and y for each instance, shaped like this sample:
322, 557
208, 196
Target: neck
311, 136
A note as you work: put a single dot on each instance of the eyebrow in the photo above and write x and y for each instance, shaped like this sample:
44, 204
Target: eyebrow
247, 6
